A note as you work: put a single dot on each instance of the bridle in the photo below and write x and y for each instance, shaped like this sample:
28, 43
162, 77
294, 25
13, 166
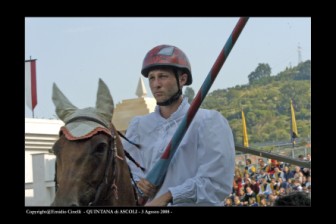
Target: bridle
111, 162
110, 165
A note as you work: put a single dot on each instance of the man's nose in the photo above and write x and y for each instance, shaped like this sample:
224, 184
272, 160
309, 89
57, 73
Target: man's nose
156, 82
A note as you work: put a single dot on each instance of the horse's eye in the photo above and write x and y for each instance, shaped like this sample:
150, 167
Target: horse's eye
101, 148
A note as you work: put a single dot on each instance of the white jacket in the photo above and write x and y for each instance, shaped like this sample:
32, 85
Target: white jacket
202, 169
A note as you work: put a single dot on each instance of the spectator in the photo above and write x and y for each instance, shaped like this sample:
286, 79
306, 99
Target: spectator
250, 168
249, 194
287, 173
277, 173
263, 202
252, 202
255, 185
228, 202
262, 164
237, 201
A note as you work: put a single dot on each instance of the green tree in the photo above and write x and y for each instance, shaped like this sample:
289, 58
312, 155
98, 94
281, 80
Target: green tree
266, 104
262, 71
189, 92
304, 71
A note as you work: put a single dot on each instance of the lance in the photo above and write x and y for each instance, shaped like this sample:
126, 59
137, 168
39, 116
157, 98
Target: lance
157, 173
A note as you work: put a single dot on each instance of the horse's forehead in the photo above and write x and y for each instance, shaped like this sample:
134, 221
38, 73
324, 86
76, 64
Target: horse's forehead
82, 129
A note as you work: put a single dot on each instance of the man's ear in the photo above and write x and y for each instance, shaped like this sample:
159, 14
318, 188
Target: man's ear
183, 79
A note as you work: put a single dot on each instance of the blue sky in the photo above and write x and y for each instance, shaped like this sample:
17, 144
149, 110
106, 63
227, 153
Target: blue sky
75, 52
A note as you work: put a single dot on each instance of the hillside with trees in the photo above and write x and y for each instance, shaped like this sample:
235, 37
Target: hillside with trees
266, 104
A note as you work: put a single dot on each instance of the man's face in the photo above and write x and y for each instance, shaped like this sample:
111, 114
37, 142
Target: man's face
163, 83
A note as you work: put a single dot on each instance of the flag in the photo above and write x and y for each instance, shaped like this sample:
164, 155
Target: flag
245, 138
30, 83
294, 132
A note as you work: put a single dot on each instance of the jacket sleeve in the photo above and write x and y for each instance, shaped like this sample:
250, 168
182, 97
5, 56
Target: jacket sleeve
216, 162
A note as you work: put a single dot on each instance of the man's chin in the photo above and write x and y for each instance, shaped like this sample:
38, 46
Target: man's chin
160, 100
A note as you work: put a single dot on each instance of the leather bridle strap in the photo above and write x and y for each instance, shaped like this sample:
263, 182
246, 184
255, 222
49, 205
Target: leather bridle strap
110, 161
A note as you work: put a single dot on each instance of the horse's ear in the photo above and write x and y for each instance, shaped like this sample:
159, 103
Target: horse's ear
64, 107
104, 103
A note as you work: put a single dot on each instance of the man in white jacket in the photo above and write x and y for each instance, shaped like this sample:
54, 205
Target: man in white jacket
202, 169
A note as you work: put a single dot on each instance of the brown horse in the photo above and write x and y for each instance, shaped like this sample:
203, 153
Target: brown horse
91, 168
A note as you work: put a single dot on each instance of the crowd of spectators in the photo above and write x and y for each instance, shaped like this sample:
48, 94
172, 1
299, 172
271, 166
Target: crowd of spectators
265, 183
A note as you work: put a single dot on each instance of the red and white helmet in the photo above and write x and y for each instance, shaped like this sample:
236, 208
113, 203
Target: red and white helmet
166, 55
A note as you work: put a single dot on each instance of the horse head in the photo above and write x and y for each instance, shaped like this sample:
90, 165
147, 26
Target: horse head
91, 167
